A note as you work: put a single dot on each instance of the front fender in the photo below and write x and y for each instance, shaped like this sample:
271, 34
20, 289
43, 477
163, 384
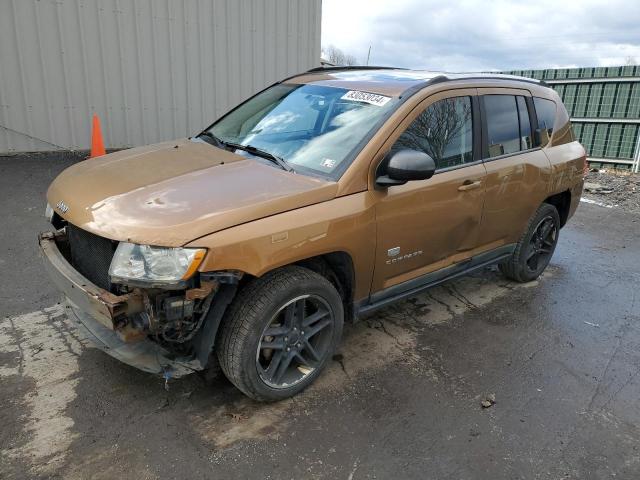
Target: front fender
344, 224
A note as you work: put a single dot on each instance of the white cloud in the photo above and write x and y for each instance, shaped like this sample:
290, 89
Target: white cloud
468, 35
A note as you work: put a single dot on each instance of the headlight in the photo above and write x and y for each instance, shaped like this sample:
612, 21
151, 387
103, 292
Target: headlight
154, 266
48, 213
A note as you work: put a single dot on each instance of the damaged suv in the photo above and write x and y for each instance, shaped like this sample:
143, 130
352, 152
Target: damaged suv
320, 199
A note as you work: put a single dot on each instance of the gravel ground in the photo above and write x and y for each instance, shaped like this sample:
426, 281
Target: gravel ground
614, 188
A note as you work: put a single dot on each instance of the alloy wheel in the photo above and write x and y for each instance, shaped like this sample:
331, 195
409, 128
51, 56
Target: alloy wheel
542, 243
295, 342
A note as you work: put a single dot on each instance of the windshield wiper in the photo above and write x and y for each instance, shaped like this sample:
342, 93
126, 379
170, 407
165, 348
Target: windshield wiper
210, 138
261, 153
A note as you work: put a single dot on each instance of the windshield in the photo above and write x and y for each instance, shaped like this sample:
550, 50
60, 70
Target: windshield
309, 126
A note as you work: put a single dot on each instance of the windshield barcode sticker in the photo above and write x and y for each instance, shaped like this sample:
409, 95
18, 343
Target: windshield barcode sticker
371, 98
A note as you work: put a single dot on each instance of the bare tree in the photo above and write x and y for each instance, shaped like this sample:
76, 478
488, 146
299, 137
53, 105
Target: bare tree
436, 130
336, 56
350, 60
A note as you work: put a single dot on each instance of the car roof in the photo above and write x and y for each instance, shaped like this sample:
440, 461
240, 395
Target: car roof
394, 81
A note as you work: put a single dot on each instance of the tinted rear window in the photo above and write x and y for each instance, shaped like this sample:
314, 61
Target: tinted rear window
546, 113
503, 131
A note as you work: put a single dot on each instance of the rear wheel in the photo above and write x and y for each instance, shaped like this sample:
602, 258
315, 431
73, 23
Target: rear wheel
535, 248
280, 333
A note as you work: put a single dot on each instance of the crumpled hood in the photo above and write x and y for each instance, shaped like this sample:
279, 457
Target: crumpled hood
174, 192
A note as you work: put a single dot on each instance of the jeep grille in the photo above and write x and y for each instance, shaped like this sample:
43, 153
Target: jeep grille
91, 255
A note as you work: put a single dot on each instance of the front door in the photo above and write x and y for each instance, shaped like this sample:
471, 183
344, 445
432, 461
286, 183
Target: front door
426, 225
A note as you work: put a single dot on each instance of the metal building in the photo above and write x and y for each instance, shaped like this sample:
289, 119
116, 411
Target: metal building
604, 105
151, 69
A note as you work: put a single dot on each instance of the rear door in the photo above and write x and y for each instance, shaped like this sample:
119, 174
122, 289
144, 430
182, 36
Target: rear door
518, 172
429, 224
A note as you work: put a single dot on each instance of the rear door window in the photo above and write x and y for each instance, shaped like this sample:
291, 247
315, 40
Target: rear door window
503, 131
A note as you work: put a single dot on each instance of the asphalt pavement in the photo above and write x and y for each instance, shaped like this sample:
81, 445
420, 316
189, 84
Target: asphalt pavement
402, 399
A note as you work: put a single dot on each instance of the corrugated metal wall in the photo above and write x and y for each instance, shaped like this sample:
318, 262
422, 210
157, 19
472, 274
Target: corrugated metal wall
604, 106
151, 69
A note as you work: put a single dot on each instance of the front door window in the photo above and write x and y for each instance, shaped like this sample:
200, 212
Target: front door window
443, 131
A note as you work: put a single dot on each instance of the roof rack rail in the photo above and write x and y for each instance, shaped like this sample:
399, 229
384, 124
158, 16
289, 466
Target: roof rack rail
499, 76
506, 76
447, 77
351, 67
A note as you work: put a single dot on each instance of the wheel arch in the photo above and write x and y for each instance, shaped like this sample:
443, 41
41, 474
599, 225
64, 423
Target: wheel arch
337, 267
562, 202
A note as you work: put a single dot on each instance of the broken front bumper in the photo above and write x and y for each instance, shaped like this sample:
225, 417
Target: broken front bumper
99, 315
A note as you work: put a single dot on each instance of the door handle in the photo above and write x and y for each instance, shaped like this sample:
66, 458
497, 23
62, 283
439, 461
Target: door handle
469, 185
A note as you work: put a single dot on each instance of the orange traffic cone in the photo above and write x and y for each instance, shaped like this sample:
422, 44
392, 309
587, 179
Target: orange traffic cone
97, 145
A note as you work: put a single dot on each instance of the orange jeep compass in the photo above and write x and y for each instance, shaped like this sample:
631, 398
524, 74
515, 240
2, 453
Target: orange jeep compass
321, 198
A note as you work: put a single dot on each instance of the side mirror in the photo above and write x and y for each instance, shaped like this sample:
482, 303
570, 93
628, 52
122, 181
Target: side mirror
406, 165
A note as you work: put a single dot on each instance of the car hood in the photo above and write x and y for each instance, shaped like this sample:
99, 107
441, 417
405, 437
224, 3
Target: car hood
175, 192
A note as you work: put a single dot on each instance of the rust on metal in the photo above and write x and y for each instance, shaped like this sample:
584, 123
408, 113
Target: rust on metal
199, 293
130, 334
122, 304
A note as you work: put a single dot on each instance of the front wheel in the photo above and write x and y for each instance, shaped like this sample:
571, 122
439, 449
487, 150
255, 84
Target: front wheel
280, 333
536, 246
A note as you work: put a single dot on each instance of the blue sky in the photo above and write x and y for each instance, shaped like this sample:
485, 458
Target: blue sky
472, 35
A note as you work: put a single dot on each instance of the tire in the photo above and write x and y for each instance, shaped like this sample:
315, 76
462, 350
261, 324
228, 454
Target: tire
273, 311
533, 253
